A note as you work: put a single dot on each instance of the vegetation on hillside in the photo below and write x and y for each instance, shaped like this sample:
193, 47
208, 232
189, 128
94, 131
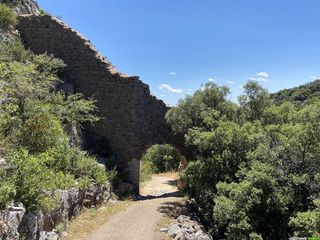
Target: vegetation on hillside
299, 94
255, 168
33, 122
7, 17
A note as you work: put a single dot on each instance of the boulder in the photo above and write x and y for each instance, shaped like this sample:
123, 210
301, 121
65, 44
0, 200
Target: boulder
70, 205
3, 163
10, 219
187, 228
49, 236
31, 226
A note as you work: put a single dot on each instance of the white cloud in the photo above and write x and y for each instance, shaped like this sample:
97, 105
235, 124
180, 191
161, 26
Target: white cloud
240, 86
172, 73
262, 74
230, 82
314, 77
168, 88
211, 79
259, 79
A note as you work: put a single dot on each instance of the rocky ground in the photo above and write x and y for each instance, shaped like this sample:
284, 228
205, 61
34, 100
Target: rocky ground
16, 223
186, 228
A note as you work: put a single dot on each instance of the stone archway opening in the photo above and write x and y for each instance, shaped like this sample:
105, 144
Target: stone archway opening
160, 159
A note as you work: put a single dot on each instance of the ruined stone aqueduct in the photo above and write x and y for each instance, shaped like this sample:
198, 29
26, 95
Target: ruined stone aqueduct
132, 118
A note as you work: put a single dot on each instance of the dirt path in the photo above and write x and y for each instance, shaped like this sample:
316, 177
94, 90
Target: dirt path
140, 220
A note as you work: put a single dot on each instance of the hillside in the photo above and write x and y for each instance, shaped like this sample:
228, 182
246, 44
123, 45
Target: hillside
298, 94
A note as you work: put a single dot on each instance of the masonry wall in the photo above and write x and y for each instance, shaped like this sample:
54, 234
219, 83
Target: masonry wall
132, 118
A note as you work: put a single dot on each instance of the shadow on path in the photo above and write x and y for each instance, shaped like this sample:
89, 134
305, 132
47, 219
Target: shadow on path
173, 209
165, 195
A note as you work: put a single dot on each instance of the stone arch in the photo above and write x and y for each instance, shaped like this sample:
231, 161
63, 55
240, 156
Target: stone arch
132, 117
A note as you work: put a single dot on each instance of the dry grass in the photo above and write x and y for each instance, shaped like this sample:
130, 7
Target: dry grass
91, 219
171, 211
165, 222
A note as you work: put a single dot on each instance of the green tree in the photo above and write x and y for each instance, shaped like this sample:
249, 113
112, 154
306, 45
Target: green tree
254, 100
258, 203
163, 158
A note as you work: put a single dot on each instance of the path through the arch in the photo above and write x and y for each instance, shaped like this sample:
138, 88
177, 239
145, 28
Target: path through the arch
139, 221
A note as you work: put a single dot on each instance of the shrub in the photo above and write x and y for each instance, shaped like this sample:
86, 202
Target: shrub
33, 138
7, 189
33, 181
7, 17
306, 224
145, 171
42, 131
13, 51
163, 158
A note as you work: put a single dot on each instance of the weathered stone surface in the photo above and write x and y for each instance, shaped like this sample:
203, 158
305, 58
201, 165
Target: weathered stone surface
22, 7
49, 236
186, 228
132, 119
31, 226
15, 224
7, 36
10, 219
3, 163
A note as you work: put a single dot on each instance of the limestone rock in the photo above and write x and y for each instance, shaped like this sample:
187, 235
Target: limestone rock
31, 226
187, 228
71, 201
49, 236
163, 230
8, 36
3, 163
10, 219
23, 7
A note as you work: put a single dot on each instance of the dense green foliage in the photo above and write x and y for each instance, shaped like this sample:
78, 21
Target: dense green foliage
146, 172
255, 174
163, 158
7, 17
298, 94
33, 137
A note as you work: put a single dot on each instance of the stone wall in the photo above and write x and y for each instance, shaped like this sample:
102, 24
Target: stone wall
132, 118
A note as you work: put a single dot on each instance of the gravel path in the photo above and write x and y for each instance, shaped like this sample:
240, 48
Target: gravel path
139, 221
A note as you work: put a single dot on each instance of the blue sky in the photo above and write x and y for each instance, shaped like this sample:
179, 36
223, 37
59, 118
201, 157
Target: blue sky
177, 45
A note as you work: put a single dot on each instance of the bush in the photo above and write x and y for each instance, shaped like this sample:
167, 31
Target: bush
7, 189
42, 131
145, 172
33, 180
33, 138
258, 202
7, 17
163, 158
306, 224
